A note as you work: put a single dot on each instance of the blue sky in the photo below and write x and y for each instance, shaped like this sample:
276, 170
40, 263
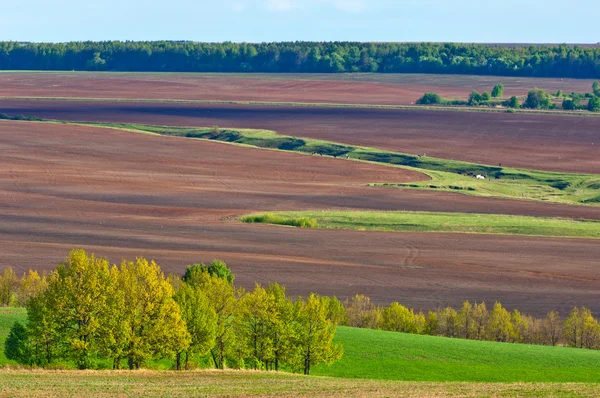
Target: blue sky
520, 21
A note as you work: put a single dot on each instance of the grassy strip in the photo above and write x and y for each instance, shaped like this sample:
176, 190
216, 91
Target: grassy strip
446, 175
435, 222
270, 218
376, 354
23, 383
450, 107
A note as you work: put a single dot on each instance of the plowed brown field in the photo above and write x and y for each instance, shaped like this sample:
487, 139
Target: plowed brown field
545, 142
381, 89
175, 200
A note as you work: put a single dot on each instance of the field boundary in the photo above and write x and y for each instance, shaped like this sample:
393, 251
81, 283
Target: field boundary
311, 105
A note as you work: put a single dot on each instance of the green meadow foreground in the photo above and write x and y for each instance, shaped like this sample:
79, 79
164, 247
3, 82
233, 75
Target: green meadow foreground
432, 222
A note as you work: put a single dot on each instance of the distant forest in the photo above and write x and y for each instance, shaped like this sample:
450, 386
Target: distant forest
305, 57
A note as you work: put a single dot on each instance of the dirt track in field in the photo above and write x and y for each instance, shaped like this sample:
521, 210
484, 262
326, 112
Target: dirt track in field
124, 194
382, 89
545, 142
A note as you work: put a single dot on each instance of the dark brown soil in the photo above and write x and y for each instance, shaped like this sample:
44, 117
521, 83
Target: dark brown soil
545, 142
383, 89
175, 200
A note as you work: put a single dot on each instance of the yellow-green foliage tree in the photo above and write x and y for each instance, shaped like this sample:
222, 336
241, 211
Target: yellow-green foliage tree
314, 334
151, 317
447, 322
30, 284
282, 325
200, 319
466, 321
42, 330
223, 299
8, 287
398, 318
499, 327
255, 321
361, 312
76, 299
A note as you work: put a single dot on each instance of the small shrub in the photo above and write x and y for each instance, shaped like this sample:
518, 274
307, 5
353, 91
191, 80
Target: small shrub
269, 218
594, 104
430, 99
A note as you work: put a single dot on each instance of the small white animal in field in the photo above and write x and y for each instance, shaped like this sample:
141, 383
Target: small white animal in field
480, 177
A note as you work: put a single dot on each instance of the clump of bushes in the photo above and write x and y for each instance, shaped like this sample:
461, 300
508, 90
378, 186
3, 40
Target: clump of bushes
430, 99
270, 218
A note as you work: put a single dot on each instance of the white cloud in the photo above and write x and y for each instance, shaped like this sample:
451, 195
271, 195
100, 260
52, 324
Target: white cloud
279, 5
353, 6
238, 7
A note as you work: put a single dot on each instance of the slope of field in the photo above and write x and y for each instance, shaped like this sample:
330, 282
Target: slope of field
173, 199
71, 384
376, 354
540, 142
380, 89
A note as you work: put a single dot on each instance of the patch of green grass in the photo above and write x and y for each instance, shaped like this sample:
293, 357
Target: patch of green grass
270, 218
405, 221
8, 316
445, 175
375, 354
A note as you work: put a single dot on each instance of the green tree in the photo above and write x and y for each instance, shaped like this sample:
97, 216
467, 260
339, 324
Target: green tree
282, 326
430, 99
538, 99
551, 328
448, 322
513, 102
42, 329
398, 318
559, 94
76, 296
30, 284
151, 317
466, 321
596, 88
480, 320
16, 345
361, 312
498, 90
193, 273
336, 311
314, 335
475, 98
499, 327
486, 96
8, 287
200, 319
568, 104
222, 298
594, 104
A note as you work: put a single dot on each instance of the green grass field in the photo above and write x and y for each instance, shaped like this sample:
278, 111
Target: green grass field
405, 221
375, 354
445, 175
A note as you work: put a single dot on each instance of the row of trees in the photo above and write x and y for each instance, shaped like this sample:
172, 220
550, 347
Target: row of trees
535, 99
475, 321
332, 57
92, 313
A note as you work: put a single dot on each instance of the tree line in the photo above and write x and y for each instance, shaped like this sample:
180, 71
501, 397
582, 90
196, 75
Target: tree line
305, 57
88, 312
536, 98
475, 321
92, 314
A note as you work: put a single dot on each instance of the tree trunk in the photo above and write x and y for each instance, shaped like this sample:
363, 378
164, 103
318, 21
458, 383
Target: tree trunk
178, 361
130, 362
